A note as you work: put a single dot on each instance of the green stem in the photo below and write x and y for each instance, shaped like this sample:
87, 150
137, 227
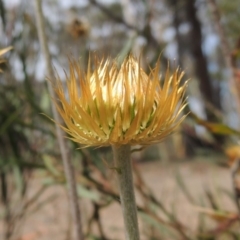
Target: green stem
125, 180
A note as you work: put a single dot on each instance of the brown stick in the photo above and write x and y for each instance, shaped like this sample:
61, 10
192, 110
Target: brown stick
68, 168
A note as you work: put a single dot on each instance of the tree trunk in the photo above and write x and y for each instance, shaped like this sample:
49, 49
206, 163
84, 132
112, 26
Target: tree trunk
210, 94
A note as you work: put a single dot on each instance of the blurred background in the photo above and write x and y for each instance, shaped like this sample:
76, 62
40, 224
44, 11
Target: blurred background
187, 187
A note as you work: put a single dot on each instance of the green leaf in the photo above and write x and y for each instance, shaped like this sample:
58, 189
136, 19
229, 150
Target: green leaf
217, 128
183, 187
163, 229
126, 48
10, 119
49, 165
87, 193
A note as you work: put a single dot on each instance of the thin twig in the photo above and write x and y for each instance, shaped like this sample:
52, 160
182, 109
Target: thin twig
113, 16
68, 168
146, 193
103, 187
145, 32
234, 172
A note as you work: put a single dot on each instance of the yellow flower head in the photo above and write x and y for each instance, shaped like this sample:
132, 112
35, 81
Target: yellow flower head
114, 105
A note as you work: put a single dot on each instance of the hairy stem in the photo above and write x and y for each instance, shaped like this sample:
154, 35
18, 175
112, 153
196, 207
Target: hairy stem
68, 168
125, 180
